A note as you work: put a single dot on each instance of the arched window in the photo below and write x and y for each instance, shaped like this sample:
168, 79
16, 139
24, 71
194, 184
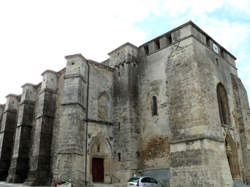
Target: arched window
154, 106
223, 104
103, 107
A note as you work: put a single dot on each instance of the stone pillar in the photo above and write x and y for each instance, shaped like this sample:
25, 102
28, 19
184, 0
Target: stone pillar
1, 113
7, 134
20, 158
40, 173
70, 161
240, 116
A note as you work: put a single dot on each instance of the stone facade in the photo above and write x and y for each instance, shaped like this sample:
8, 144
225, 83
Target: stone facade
173, 108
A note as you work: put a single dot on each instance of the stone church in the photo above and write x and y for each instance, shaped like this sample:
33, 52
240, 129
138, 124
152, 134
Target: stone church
173, 108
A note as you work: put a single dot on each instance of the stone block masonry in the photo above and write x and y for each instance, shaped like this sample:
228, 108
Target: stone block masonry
172, 108
20, 157
7, 132
40, 171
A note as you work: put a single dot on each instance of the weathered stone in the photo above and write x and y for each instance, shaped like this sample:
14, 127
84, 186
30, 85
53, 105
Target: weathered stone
20, 157
39, 164
7, 132
172, 108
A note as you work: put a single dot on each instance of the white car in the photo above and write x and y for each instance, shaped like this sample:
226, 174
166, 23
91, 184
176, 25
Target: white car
143, 181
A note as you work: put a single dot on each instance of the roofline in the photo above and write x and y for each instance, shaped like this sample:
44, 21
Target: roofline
122, 46
194, 25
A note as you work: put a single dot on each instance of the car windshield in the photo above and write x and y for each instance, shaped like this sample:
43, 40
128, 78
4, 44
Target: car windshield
133, 179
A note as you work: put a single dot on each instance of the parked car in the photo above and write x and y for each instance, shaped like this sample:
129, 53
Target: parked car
143, 181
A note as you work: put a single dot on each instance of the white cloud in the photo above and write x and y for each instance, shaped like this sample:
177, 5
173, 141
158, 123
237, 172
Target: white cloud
192, 7
198, 7
240, 5
35, 35
229, 34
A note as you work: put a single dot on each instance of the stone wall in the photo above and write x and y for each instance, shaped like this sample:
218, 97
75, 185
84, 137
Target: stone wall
152, 110
154, 129
100, 125
126, 152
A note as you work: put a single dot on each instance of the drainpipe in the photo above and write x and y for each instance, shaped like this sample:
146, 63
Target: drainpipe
86, 139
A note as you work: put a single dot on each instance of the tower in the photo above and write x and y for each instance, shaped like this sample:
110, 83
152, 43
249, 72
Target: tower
126, 131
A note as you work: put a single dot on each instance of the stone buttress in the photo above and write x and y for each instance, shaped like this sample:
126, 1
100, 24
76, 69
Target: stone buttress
126, 130
1, 112
242, 121
39, 173
7, 133
70, 155
197, 149
20, 158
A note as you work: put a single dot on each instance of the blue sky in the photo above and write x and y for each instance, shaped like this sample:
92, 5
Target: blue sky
228, 22
35, 35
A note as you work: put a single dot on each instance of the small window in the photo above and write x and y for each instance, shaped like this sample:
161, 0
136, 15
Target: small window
146, 50
138, 154
119, 126
222, 53
207, 41
119, 157
157, 44
98, 148
217, 61
169, 39
154, 106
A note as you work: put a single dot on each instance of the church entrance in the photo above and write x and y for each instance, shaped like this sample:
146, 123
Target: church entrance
97, 170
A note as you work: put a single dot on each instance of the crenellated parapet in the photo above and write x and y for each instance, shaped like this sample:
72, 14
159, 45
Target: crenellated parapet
7, 132
188, 30
20, 158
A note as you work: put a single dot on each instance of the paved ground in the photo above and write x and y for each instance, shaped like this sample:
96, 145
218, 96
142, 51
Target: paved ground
238, 183
4, 184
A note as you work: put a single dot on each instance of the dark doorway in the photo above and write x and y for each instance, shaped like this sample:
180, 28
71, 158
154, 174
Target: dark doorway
97, 170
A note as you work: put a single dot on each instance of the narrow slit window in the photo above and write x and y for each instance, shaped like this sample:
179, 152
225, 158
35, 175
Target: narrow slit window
222, 53
169, 39
154, 106
119, 157
157, 44
207, 41
146, 50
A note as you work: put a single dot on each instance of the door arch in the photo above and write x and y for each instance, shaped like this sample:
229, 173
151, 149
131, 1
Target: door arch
100, 159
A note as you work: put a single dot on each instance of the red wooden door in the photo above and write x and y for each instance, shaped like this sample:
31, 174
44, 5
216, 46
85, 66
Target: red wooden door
97, 170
